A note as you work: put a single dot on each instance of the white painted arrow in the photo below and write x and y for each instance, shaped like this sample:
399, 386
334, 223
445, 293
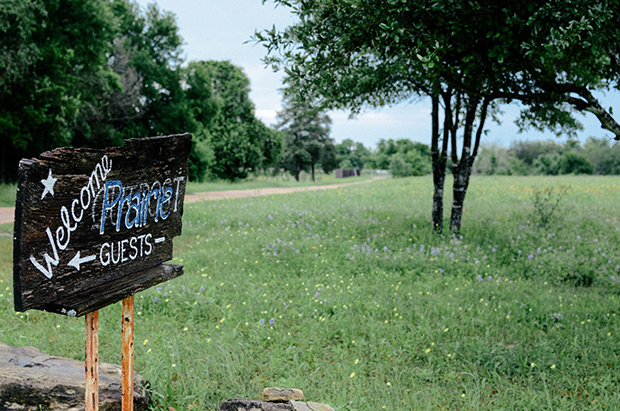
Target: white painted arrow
76, 261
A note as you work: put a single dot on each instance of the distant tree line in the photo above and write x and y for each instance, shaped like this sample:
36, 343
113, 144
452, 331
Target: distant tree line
595, 156
403, 157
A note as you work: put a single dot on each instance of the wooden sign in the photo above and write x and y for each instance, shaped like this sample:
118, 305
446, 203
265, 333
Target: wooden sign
94, 226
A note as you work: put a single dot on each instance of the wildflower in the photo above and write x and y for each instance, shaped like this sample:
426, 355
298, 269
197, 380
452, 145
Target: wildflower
272, 321
261, 321
352, 375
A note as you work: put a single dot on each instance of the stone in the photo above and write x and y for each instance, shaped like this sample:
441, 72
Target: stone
33, 380
315, 406
239, 404
300, 406
273, 394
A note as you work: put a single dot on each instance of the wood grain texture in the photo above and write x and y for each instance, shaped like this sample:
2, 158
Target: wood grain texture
94, 226
91, 362
127, 355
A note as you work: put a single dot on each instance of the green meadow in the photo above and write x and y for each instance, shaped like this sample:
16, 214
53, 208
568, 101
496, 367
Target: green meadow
348, 295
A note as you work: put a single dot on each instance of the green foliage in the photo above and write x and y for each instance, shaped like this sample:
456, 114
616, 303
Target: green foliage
218, 97
352, 155
94, 72
51, 49
548, 204
402, 157
604, 156
575, 163
399, 167
596, 156
306, 137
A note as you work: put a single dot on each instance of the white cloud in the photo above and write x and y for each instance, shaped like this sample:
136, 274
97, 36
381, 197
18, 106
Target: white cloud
267, 116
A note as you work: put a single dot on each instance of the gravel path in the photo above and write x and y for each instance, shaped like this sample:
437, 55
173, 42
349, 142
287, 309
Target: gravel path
7, 214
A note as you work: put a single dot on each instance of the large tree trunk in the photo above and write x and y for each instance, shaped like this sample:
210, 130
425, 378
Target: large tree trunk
312, 171
439, 169
462, 170
462, 173
439, 158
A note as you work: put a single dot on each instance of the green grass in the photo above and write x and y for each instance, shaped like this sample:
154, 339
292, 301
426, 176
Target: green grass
370, 309
7, 194
279, 181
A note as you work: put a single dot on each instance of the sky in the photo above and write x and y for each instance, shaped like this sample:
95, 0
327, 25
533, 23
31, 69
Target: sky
222, 30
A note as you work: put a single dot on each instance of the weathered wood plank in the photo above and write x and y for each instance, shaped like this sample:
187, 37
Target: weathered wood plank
93, 226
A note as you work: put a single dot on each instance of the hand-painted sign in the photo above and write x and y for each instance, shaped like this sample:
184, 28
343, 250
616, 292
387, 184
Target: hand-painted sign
93, 226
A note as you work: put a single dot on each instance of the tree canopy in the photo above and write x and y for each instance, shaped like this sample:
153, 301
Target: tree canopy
306, 137
95, 72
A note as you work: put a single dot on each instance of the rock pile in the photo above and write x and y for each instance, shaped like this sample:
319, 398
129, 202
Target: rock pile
275, 399
33, 380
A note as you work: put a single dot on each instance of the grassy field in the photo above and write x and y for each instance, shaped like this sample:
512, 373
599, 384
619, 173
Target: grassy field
347, 295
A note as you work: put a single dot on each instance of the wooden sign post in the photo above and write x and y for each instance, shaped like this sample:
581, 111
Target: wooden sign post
93, 227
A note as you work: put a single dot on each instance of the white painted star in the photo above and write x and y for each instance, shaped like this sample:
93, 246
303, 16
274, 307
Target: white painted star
49, 185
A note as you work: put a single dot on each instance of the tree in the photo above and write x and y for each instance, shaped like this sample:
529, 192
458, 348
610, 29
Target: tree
403, 157
306, 137
493, 159
604, 158
399, 167
153, 44
239, 141
466, 56
351, 55
49, 50
575, 163
354, 154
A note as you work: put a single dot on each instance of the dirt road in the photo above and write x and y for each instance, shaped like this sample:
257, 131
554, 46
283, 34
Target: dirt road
7, 214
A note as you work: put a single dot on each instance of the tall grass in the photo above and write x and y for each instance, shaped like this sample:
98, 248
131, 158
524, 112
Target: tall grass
348, 295
282, 180
7, 194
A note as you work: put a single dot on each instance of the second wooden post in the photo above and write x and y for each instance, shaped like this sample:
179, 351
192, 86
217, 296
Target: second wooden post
127, 360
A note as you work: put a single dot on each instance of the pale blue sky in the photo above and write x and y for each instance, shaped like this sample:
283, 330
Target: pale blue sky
220, 30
